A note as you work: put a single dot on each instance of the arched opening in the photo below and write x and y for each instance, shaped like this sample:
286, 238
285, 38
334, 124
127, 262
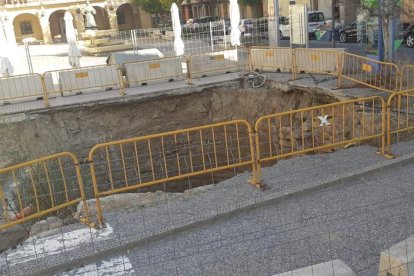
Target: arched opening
101, 18
27, 25
57, 26
128, 17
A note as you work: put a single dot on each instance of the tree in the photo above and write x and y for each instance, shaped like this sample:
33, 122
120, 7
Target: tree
252, 3
156, 6
150, 6
387, 11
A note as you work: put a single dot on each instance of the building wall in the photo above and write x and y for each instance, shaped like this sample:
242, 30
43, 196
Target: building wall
325, 6
130, 16
55, 29
408, 12
145, 20
45, 23
35, 23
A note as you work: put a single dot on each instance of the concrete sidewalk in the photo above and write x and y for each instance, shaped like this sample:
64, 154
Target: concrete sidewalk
325, 83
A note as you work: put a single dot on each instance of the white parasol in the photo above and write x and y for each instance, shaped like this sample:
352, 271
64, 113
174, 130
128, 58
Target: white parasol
74, 53
235, 22
178, 42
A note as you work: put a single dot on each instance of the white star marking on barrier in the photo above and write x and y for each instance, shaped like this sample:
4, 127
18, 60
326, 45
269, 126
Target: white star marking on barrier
324, 120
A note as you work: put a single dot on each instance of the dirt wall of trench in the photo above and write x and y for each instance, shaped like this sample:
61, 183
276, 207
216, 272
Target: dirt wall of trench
78, 128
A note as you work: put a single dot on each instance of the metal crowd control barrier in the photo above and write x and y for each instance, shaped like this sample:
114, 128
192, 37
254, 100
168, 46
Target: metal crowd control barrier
40, 187
372, 73
215, 63
155, 70
407, 78
84, 79
154, 159
317, 61
319, 128
20, 87
271, 59
400, 119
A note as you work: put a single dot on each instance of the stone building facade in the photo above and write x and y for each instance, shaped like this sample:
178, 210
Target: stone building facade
43, 19
217, 8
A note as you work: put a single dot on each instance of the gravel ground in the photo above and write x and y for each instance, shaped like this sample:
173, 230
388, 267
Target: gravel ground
353, 221
232, 228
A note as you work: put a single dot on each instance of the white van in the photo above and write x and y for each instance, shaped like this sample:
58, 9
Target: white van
315, 20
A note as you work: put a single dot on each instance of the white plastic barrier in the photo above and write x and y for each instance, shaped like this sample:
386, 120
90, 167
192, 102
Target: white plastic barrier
271, 59
216, 63
87, 79
21, 87
152, 71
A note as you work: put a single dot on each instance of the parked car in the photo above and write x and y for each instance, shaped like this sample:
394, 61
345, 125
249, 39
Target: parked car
246, 26
348, 33
263, 24
409, 36
315, 20
199, 24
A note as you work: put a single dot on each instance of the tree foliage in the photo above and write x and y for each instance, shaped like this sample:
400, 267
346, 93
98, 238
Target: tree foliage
156, 6
250, 3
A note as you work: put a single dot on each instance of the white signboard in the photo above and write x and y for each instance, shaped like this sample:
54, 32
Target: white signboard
298, 20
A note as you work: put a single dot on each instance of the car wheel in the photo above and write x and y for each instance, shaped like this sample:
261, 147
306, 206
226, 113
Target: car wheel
342, 38
410, 40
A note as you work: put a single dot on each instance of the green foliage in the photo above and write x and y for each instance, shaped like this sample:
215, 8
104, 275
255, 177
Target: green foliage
250, 2
372, 5
156, 6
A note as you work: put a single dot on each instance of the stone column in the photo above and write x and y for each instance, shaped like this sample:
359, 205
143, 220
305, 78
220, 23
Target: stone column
44, 24
186, 14
79, 21
113, 19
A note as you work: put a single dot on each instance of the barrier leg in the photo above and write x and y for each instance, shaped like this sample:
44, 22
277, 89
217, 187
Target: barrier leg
45, 94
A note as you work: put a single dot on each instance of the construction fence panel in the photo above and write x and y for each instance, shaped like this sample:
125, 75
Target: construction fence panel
407, 78
155, 159
322, 61
216, 63
271, 59
155, 70
83, 80
320, 128
41, 187
400, 119
372, 73
21, 87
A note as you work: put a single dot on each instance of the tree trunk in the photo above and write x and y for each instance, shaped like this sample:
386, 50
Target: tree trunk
386, 35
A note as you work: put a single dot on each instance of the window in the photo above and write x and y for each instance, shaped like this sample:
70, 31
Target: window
121, 17
316, 17
292, 2
313, 17
26, 28
321, 17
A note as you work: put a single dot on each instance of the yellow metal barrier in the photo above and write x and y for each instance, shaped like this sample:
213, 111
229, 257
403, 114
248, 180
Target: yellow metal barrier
149, 160
372, 73
400, 119
155, 70
322, 61
19, 87
407, 78
40, 187
319, 128
271, 59
84, 79
216, 63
